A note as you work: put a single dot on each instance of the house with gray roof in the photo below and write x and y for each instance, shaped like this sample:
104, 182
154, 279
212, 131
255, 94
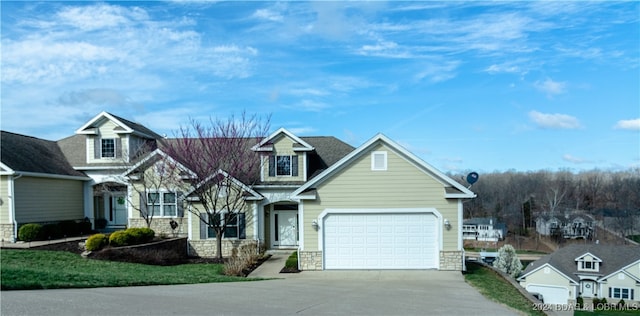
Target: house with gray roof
37, 184
377, 206
586, 270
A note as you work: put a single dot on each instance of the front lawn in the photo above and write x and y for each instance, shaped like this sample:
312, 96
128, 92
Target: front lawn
494, 287
630, 312
42, 269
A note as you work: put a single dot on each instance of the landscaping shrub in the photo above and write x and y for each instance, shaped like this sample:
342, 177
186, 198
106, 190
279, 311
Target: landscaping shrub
50, 231
292, 261
234, 266
84, 227
96, 242
580, 302
69, 228
140, 235
119, 238
29, 232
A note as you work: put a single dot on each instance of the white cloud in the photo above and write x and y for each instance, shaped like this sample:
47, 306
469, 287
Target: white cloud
99, 16
632, 125
551, 87
554, 121
267, 14
573, 159
438, 72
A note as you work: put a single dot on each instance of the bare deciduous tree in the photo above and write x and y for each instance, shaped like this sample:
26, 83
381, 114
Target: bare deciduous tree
224, 167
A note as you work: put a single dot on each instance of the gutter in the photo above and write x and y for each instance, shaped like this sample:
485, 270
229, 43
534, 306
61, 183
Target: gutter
12, 205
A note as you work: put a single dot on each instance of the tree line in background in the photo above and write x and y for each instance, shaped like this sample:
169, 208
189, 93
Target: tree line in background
517, 198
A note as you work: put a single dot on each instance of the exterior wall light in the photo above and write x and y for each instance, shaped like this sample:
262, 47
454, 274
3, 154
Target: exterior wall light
315, 225
447, 224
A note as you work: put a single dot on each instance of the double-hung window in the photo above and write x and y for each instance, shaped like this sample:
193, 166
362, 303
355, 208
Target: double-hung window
283, 166
621, 293
162, 203
108, 148
234, 225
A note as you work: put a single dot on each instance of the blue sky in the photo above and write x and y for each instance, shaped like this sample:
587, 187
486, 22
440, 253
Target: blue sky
484, 86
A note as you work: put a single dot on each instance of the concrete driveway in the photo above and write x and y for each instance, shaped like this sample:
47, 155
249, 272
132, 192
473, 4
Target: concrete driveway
307, 293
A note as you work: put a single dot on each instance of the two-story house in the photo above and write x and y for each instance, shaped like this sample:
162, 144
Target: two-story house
377, 206
590, 271
569, 225
483, 229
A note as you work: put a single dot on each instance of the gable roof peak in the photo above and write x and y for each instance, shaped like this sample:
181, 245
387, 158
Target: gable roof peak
303, 145
124, 126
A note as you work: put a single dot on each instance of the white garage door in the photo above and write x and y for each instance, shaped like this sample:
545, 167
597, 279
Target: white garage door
380, 241
550, 294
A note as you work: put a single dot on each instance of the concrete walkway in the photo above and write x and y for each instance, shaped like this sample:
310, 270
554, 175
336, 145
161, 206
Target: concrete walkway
270, 269
39, 243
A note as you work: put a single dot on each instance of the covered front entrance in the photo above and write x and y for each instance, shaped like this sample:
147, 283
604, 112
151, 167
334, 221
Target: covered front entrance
110, 205
284, 226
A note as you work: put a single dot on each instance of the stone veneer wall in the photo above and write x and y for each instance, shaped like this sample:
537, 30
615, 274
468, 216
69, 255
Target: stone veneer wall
310, 260
162, 227
451, 260
6, 233
207, 248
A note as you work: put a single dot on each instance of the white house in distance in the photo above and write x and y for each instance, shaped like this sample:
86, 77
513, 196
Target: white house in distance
568, 225
483, 229
590, 271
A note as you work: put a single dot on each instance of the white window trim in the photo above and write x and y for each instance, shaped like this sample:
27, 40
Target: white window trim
374, 166
161, 203
594, 265
222, 218
115, 150
613, 292
290, 166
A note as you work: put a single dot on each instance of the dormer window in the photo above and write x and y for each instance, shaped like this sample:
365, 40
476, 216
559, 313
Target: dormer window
283, 166
588, 263
108, 148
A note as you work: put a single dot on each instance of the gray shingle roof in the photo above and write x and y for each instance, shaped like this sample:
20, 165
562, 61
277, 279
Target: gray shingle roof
24, 153
613, 258
137, 127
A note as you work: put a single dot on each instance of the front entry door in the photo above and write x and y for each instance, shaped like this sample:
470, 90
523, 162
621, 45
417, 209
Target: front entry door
588, 288
286, 228
119, 210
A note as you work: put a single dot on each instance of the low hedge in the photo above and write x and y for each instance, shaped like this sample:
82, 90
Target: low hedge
96, 242
131, 236
30, 232
47, 231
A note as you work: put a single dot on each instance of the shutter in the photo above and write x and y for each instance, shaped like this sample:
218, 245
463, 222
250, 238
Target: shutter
118, 145
180, 204
241, 226
97, 142
632, 295
294, 166
203, 226
143, 203
272, 166
610, 293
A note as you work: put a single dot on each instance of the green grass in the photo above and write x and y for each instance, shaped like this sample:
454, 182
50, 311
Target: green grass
635, 238
41, 269
494, 287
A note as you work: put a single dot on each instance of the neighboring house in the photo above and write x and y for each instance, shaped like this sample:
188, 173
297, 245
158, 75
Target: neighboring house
483, 229
569, 226
37, 184
377, 206
589, 271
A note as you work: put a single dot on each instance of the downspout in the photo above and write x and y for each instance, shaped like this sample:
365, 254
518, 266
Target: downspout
12, 205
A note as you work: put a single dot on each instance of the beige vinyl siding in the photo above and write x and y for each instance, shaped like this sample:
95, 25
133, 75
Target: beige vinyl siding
44, 199
4, 200
196, 223
402, 185
622, 280
283, 146
106, 130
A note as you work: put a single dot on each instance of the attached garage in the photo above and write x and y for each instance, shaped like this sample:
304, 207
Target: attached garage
550, 294
380, 239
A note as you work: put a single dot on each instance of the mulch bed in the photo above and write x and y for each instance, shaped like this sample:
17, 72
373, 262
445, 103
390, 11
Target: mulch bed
151, 258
